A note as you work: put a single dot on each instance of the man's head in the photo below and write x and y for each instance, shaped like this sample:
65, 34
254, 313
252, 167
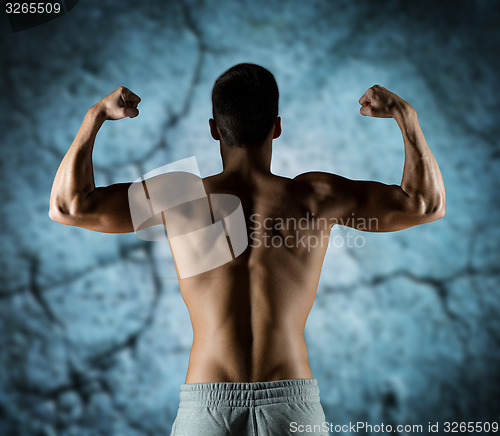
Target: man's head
245, 104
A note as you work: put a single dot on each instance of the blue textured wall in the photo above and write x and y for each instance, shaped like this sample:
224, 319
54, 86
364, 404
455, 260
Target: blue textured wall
94, 337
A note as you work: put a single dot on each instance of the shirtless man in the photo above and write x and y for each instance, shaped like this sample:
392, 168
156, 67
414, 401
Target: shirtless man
248, 369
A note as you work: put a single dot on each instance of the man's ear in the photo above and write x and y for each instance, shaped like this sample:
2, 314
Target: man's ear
214, 131
277, 128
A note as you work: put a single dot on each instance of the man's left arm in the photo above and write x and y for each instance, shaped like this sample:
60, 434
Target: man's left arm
74, 199
377, 207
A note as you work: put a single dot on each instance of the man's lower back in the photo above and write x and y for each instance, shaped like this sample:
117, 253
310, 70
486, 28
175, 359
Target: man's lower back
222, 355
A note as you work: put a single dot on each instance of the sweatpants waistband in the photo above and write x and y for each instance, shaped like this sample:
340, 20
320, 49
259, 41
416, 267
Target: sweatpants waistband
249, 394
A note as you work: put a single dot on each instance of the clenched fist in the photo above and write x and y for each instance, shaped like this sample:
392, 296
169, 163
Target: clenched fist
381, 103
119, 104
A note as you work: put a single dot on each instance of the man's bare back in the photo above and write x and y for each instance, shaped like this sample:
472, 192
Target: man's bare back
249, 315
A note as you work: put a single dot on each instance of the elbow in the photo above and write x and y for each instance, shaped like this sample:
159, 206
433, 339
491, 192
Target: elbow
440, 212
435, 214
53, 211
427, 209
57, 214
436, 209
439, 205
61, 213
52, 215
64, 208
71, 213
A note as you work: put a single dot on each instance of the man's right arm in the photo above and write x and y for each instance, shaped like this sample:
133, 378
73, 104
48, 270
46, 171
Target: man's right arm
377, 207
74, 199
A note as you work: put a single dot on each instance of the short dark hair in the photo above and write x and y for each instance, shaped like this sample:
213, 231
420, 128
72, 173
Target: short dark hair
245, 104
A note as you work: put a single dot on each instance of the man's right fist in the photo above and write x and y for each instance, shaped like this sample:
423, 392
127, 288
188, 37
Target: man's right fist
120, 104
380, 102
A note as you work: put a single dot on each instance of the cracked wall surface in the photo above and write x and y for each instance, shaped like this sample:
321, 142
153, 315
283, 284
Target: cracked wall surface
94, 336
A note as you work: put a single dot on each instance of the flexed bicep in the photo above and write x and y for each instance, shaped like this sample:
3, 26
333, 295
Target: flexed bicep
105, 209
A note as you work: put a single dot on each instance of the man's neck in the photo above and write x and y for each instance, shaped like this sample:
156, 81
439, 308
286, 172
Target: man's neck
246, 160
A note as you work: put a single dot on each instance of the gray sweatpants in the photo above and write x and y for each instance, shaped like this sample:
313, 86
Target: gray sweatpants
283, 407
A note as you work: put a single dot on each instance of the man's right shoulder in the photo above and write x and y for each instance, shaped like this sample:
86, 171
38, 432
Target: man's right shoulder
328, 192
321, 182
317, 177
